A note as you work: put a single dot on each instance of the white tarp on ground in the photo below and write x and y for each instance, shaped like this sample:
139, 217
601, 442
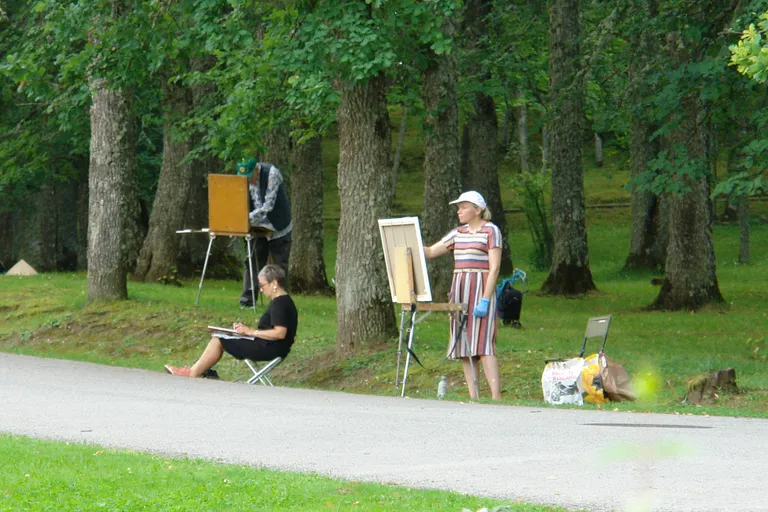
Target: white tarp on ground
22, 268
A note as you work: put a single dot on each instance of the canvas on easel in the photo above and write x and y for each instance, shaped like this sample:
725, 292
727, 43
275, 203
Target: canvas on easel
228, 205
409, 284
397, 235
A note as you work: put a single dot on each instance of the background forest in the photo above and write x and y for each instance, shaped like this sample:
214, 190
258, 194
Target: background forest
114, 112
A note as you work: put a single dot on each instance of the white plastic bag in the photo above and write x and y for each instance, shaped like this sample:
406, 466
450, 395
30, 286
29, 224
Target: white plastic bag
559, 382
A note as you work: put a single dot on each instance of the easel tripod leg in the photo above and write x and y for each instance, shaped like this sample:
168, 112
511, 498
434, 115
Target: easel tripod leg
205, 266
412, 328
399, 350
248, 239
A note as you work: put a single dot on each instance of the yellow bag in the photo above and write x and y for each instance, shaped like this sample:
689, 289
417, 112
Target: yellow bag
590, 381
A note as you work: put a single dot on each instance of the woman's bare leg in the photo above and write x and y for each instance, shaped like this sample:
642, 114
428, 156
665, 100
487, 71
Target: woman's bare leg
469, 377
491, 370
210, 357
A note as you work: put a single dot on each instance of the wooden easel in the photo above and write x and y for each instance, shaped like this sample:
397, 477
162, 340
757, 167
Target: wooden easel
228, 216
404, 286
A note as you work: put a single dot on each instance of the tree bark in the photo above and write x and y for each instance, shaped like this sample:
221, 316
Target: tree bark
441, 163
399, 149
690, 280
278, 149
648, 241
306, 264
112, 175
480, 146
364, 308
522, 133
161, 246
569, 273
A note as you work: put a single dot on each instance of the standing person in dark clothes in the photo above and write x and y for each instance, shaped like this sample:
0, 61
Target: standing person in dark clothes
273, 335
270, 209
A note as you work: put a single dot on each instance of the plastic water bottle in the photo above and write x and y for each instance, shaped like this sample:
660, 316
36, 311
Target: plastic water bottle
442, 387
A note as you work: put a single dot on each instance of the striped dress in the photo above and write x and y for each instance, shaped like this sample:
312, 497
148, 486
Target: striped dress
471, 265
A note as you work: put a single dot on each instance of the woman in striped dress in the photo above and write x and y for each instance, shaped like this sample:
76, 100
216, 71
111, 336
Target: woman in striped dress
476, 247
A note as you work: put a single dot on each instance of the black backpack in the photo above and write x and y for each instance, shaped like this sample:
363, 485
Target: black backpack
509, 302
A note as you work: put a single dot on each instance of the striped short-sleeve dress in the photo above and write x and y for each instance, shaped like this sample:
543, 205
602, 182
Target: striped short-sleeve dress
471, 265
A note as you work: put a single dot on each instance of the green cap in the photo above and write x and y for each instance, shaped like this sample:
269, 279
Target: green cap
246, 168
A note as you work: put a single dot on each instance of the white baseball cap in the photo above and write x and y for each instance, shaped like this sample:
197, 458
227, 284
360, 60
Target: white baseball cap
471, 197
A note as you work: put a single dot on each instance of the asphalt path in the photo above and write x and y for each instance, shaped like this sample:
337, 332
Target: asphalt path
595, 460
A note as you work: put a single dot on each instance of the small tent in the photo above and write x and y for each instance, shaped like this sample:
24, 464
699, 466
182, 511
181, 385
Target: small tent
22, 268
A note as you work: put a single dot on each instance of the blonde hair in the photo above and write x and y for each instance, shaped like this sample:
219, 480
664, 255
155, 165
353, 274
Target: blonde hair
485, 214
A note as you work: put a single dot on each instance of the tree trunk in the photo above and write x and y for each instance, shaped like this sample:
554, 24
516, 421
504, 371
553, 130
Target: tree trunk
569, 273
112, 176
598, 150
690, 281
306, 264
399, 149
545, 149
648, 242
82, 225
278, 149
483, 167
744, 229
506, 128
161, 246
441, 163
37, 230
522, 133
363, 303
192, 248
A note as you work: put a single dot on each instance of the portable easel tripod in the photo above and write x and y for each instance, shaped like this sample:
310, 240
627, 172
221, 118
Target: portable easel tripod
408, 316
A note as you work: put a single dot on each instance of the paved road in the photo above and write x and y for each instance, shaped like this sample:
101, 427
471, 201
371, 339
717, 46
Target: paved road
574, 458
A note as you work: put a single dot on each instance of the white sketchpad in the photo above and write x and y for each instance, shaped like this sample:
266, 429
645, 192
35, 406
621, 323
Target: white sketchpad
22, 268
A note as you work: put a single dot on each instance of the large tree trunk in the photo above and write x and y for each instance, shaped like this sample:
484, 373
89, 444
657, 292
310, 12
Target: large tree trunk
690, 280
363, 303
306, 265
441, 163
569, 273
480, 146
399, 149
222, 262
112, 176
648, 242
161, 246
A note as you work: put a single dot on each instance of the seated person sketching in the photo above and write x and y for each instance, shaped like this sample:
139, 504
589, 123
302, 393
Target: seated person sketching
274, 334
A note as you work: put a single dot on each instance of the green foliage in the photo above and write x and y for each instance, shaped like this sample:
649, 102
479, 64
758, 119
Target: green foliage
672, 171
750, 54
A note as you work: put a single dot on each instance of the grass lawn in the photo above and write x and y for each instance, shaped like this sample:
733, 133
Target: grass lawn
45, 475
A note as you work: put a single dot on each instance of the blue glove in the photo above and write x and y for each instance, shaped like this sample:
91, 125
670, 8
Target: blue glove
481, 309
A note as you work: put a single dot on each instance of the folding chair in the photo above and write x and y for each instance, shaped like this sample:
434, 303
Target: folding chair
597, 327
261, 373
